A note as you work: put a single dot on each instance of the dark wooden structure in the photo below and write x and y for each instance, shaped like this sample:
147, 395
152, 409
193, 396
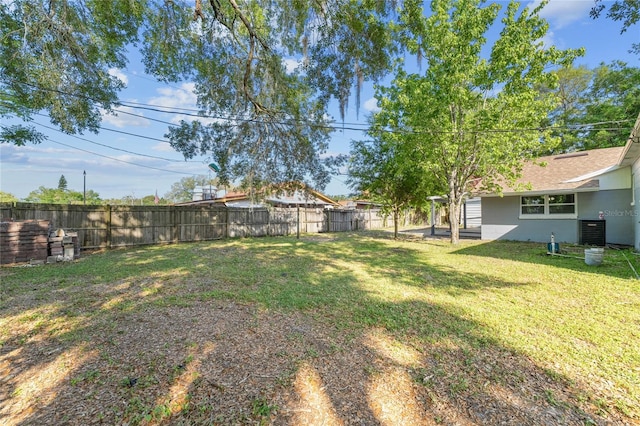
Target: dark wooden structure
24, 241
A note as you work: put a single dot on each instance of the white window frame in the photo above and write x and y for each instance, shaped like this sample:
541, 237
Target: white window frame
545, 205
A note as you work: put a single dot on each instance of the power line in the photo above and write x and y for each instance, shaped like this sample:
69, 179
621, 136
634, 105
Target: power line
574, 128
136, 105
228, 119
147, 118
117, 159
114, 148
197, 113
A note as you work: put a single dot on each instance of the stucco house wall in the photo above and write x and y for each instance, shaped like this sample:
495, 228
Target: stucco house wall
500, 222
618, 214
500, 219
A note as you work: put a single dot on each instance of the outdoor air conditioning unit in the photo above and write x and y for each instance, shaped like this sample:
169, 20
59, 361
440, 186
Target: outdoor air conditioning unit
592, 232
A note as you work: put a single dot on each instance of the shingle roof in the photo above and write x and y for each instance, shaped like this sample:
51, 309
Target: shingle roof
577, 171
297, 197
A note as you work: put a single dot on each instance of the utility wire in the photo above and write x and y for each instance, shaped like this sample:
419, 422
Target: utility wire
183, 112
575, 128
121, 161
114, 148
136, 105
197, 112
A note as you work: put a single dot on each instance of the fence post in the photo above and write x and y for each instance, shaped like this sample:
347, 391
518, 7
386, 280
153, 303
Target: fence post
268, 223
107, 223
175, 232
328, 214
298, 224
226, 222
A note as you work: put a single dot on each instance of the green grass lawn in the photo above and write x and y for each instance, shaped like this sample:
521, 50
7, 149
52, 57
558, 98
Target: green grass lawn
579, 324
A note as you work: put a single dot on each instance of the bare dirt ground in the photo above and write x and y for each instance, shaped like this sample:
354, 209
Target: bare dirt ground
221, 362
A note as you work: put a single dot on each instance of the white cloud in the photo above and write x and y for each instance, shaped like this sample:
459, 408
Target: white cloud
10, 153
163, 147
123, 119
290, 64
115, 72
31, 154
549, 40
561, 13
371, 105
330, 154
172, 98
181, 98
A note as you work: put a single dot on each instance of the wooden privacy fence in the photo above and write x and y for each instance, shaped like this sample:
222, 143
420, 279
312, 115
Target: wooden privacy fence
118, 226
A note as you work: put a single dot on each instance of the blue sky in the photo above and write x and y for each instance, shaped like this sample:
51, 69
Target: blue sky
114, 168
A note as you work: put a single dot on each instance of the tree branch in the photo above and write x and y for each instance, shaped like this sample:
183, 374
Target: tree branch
253, 37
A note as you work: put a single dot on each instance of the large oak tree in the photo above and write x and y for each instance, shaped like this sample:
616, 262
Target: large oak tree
55, 57
262, 120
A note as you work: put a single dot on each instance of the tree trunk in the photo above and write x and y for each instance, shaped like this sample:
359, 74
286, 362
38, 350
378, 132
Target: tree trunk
454, 220
395, 223
454, 202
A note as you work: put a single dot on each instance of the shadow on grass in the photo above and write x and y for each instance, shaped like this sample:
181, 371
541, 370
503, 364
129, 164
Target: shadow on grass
571, 257
275, 330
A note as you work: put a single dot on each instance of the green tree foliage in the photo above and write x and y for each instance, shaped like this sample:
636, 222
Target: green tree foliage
463, 117
127, 200
62, 183
150, 200
627, 11
571, 91
383, 171
340, 197
276, 127
55, 56
271, 121
131, 200
614, 98
18, 134
597, 107
62, 196
6, 197
182, 191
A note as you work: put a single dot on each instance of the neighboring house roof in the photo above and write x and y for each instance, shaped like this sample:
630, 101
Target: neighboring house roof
631, 151
366, 204
234, 197
301, 198
307, 197
347, 204
575, 171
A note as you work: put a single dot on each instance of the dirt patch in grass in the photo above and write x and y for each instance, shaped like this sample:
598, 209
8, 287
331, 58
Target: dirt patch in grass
291, 332
221, 362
